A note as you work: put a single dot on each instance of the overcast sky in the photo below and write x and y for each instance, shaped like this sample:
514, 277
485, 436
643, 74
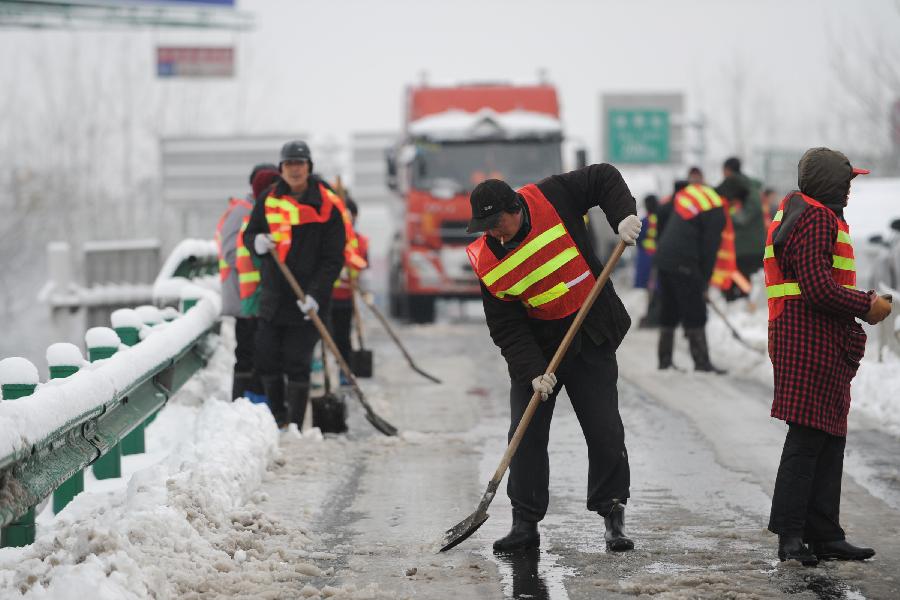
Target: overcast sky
331, 67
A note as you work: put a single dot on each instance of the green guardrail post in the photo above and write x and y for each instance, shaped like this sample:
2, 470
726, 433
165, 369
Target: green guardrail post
127, 324
18, 379
102, 342
65, 360
190, 295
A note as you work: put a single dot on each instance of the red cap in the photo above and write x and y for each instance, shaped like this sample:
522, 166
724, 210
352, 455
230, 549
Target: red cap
861, 172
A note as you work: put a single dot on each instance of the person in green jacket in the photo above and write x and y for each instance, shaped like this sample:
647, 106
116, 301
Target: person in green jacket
743, 195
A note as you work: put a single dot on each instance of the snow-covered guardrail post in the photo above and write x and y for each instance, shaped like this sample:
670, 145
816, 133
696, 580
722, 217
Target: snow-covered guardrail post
18, 379
102, 342
65, 360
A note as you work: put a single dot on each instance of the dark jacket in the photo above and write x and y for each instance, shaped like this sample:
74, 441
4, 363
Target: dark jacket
747, 216
529, 344
690, 247
315, 257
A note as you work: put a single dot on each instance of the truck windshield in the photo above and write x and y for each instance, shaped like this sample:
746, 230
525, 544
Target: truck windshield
463, 165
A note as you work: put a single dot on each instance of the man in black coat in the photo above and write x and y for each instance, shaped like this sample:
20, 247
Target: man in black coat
685, 258
297, 219
536, 243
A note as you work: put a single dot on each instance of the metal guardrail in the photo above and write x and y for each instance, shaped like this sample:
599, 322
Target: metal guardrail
31, 469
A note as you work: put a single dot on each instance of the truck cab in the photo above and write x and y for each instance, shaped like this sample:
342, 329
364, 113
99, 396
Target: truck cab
455, 138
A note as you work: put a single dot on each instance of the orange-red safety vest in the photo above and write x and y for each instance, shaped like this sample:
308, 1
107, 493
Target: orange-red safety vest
695, 199
843, 264
649, 243
343, 286
283, 213
248, 274
224, 268
546, 272
352, 256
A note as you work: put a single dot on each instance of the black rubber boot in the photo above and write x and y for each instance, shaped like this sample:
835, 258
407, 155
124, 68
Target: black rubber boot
240, 382
296, 395
793, 548
700, 351
665, 347
523, 535
616, 539
274, 388
840, 550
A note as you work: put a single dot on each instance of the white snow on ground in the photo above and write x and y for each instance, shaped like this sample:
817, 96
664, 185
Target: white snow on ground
65, 354
16, 369
101, 337
126, 317
183, 520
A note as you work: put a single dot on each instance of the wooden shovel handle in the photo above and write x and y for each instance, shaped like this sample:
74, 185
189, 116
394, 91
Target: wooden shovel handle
557, 358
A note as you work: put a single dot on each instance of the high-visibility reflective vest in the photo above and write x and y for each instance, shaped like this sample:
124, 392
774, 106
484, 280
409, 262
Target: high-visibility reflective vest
352, 256
695, 199
546, 272
843, 265
224, 268
283, 213
649, 243
248, 274
343, 286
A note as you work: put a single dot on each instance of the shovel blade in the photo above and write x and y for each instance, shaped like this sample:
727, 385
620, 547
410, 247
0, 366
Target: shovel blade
462, 530
380, 424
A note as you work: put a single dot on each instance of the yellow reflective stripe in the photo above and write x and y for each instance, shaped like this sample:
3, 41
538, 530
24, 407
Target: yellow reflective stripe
248, 277
844, 237
701, 199
781, 290
542, 271
769, 253
650, 244
724, 254
523, 254
687, 204
715, 197
849, 286
843, 263
223, 264
778, 215
274, 218
242, 251
552, 294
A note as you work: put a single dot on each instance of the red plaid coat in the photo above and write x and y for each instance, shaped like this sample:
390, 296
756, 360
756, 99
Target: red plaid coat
816, 344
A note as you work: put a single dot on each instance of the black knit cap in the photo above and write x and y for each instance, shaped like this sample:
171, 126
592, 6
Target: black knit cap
489, 199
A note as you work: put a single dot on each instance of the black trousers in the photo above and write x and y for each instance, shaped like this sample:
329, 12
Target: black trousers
747, 265
341, 322
681, 300
807, 498
590, 380
285, 349
244, 349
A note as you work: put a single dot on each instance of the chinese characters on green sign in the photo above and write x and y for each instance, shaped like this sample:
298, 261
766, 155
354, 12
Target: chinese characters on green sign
638, 135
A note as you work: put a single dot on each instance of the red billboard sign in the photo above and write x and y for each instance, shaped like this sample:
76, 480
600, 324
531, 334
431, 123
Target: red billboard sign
209, 61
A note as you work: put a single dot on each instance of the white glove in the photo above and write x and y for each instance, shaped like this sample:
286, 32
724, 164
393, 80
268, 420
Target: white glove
307, 305
544, 385
263, 243
629, 229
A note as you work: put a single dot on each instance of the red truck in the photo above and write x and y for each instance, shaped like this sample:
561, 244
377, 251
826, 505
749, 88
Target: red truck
454, 138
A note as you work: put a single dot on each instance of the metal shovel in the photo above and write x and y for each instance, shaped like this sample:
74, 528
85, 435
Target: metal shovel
470, 524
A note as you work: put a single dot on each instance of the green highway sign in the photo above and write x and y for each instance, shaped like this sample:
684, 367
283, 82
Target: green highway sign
638, 135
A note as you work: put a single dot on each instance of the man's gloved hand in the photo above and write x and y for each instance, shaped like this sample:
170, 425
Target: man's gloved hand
879, 309
629, 229
263, 243
544, 385
309, 304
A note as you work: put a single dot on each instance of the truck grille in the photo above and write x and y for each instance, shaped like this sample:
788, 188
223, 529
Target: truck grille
454, 232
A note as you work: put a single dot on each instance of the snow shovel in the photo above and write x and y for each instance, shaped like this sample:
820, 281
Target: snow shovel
390, 330
470, 524
377, 422
329, 412
361, 359
734, 332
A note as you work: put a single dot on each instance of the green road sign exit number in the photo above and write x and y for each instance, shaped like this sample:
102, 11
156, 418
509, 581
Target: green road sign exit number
638, 135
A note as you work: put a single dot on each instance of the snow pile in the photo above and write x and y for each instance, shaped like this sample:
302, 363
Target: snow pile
876, 390
463, 125
16, 369
63, 354
177, 525
126, 317
57, 403
167, 287
149, 314
101, 337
